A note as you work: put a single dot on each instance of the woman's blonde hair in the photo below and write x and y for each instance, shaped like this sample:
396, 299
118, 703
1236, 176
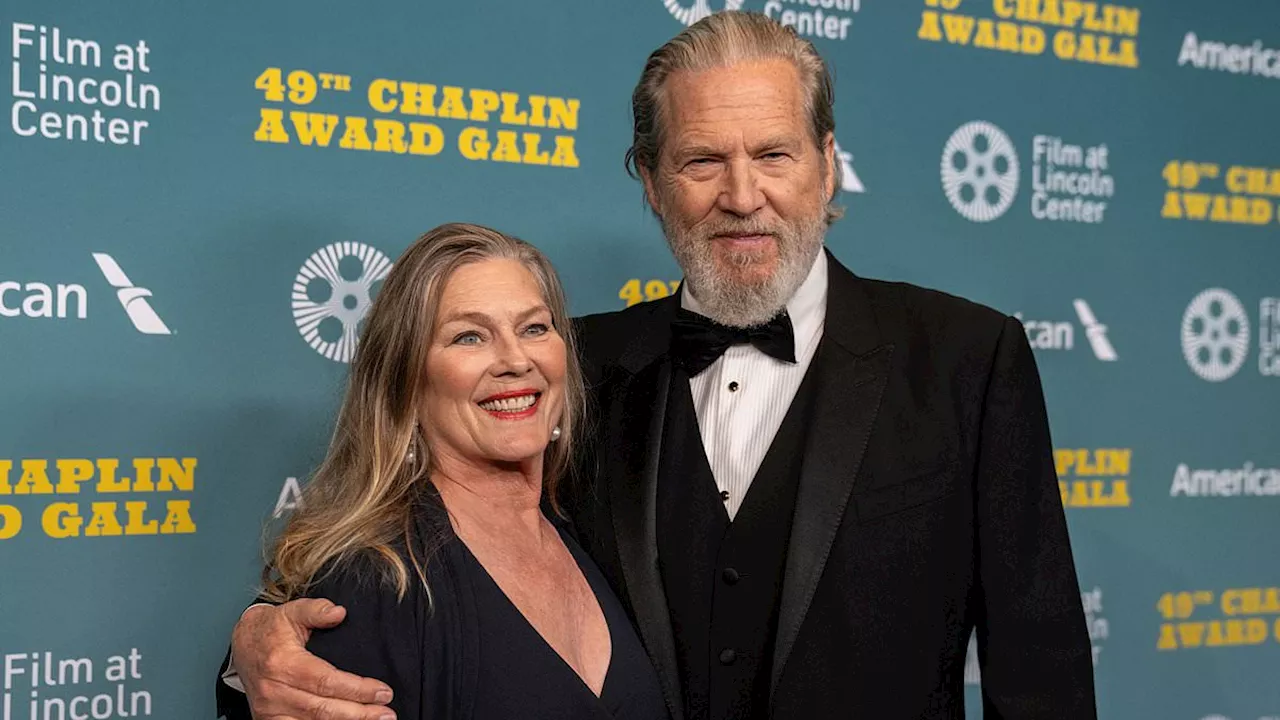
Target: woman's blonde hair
362, 497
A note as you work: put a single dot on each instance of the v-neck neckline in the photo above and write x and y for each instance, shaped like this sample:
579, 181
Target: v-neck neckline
508, 603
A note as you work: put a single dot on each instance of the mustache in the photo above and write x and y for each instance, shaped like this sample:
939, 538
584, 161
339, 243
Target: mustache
745, 226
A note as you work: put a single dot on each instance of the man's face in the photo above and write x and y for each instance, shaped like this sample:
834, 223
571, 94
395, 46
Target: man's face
740, 187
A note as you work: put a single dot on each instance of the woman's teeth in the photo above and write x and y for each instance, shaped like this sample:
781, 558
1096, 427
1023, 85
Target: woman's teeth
511, 404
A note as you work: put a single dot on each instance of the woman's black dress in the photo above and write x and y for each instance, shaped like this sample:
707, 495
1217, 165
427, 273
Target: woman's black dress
473, 655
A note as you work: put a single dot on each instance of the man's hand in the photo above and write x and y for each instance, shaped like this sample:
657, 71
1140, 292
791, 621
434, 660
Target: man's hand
285, 682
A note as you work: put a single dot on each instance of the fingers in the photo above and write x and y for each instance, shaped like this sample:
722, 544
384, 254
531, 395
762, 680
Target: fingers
309, 674
309, 613
280, 702
282, 680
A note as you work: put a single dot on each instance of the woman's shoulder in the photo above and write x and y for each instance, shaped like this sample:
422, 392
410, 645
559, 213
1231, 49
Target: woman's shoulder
408, 639
358, 572
391, 607
390, 571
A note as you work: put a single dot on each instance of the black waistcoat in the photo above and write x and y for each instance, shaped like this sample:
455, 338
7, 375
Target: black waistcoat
723, 579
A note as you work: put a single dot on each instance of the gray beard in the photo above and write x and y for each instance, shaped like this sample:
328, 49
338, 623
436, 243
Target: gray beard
726, 299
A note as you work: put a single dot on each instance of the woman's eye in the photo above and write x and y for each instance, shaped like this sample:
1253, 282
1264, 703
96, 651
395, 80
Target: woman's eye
536, 329
467, 338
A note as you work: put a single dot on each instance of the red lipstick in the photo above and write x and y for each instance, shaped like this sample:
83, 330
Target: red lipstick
512, 393
514, 414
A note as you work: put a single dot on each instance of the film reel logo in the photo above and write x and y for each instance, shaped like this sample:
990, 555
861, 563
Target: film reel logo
332, 293
699, 10
1215, 335
980, 171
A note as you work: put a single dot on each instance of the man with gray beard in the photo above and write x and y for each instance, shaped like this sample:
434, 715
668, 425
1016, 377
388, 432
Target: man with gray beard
809, 488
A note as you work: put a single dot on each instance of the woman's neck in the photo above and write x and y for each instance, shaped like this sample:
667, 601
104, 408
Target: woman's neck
496, 500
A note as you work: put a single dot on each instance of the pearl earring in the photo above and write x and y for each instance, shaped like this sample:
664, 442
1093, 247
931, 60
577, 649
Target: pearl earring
555, 433
411, 456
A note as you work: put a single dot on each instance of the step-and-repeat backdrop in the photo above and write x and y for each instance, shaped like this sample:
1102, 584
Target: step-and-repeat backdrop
198, 200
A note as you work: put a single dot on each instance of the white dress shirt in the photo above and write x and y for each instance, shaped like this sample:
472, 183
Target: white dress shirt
742, 398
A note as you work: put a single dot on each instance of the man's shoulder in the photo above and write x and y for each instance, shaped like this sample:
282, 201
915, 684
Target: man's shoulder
932, 311
609, 334
615, 322
936, 334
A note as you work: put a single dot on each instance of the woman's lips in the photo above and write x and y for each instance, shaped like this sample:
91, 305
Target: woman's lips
512, 405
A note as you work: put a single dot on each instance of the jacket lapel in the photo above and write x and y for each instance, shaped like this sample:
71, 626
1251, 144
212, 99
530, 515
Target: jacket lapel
637, 400
853, 367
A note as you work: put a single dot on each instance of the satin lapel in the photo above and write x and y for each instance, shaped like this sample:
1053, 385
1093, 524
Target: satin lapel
635, 418
852, 368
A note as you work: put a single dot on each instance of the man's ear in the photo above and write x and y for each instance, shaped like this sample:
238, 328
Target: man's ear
830, 176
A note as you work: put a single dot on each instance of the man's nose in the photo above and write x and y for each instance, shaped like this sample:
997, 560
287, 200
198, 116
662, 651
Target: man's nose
741, 194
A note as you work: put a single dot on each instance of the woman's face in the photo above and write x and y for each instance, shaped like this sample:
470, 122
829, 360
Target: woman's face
495, 371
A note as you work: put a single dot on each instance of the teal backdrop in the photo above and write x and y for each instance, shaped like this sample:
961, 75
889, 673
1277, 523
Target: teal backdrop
197, 198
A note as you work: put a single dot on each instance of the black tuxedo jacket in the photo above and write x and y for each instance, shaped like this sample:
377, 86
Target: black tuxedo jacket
927, 506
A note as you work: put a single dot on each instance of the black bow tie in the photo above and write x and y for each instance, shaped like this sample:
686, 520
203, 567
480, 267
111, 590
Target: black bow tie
697, 341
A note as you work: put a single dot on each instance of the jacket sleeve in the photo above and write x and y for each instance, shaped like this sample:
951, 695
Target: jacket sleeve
231, 701
1033, 646
381, 634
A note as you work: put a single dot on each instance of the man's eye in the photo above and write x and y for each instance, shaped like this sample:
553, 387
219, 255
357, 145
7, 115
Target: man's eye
774, 156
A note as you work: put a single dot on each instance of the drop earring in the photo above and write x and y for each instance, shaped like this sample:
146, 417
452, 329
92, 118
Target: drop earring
411, 456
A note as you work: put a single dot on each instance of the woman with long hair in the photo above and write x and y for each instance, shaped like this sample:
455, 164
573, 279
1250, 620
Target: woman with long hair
433, 519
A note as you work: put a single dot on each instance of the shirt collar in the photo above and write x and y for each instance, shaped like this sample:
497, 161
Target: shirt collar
807, 307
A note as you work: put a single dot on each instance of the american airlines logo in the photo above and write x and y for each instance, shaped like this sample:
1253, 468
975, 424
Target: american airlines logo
1061, 335
132, 298
849, 181
34, 299
1095, 332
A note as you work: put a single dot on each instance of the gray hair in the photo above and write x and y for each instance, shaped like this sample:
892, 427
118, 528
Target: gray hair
721, 40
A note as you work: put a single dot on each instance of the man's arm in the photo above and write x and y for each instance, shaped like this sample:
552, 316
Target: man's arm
282, 681
1032, 641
